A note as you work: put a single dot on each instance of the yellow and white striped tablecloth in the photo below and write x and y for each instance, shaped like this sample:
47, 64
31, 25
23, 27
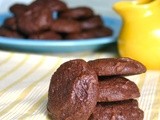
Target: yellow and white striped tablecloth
24, 83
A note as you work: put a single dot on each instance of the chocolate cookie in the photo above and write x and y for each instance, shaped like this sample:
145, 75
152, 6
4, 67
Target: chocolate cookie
102, 31
9, 33
34, 20
73, 91
48, 35
81, 35
92, 22
117, 66
77, 13
90, 33
65, 26
56, 5
124, 110
10, 23
117, 89
52, 5
17, 9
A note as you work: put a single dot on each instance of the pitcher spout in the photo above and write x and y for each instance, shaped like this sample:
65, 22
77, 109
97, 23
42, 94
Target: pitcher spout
136, 7
124, 7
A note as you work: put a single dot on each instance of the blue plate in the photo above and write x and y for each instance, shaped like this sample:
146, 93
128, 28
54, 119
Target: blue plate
57, 46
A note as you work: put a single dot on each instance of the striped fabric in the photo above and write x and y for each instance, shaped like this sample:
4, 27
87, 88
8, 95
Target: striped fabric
24, 83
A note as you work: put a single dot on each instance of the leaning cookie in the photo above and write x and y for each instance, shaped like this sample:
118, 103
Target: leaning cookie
10, 23
90, 33
34, 20
117, 66
91, 22
124, 110
52, 5
9, 33
47, 35
117, 89
56, 5
17, 9
81, 35
77, 13
73, 91
65, 26
102, 31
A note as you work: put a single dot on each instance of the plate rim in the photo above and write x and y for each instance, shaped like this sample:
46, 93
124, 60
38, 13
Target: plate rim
80, 42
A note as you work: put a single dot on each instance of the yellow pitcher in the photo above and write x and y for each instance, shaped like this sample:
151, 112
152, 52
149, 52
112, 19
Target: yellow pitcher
140, 34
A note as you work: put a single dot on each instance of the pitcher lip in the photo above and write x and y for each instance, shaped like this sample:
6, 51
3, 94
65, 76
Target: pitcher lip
121, 5
134, 3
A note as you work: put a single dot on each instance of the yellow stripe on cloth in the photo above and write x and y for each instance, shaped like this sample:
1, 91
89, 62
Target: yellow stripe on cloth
6, 59
34, 107
23, 77
15, 67
25, 92
39, 102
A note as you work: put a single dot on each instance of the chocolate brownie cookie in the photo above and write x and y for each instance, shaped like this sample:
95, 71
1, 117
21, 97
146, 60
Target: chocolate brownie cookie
124, 110
117, 66
81, 35
73, 91
65, 26
117, 89
52, 5
91, 22
10, 23
90, 33
34, 20
102, 31
48, 35
9, 33
77, 13
56, 5
18, 9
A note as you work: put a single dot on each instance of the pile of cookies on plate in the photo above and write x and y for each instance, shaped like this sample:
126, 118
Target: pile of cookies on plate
95, 90
53, 20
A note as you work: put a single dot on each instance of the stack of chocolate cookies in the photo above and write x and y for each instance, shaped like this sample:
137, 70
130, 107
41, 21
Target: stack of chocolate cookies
53, 20
95, 90
116, 93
